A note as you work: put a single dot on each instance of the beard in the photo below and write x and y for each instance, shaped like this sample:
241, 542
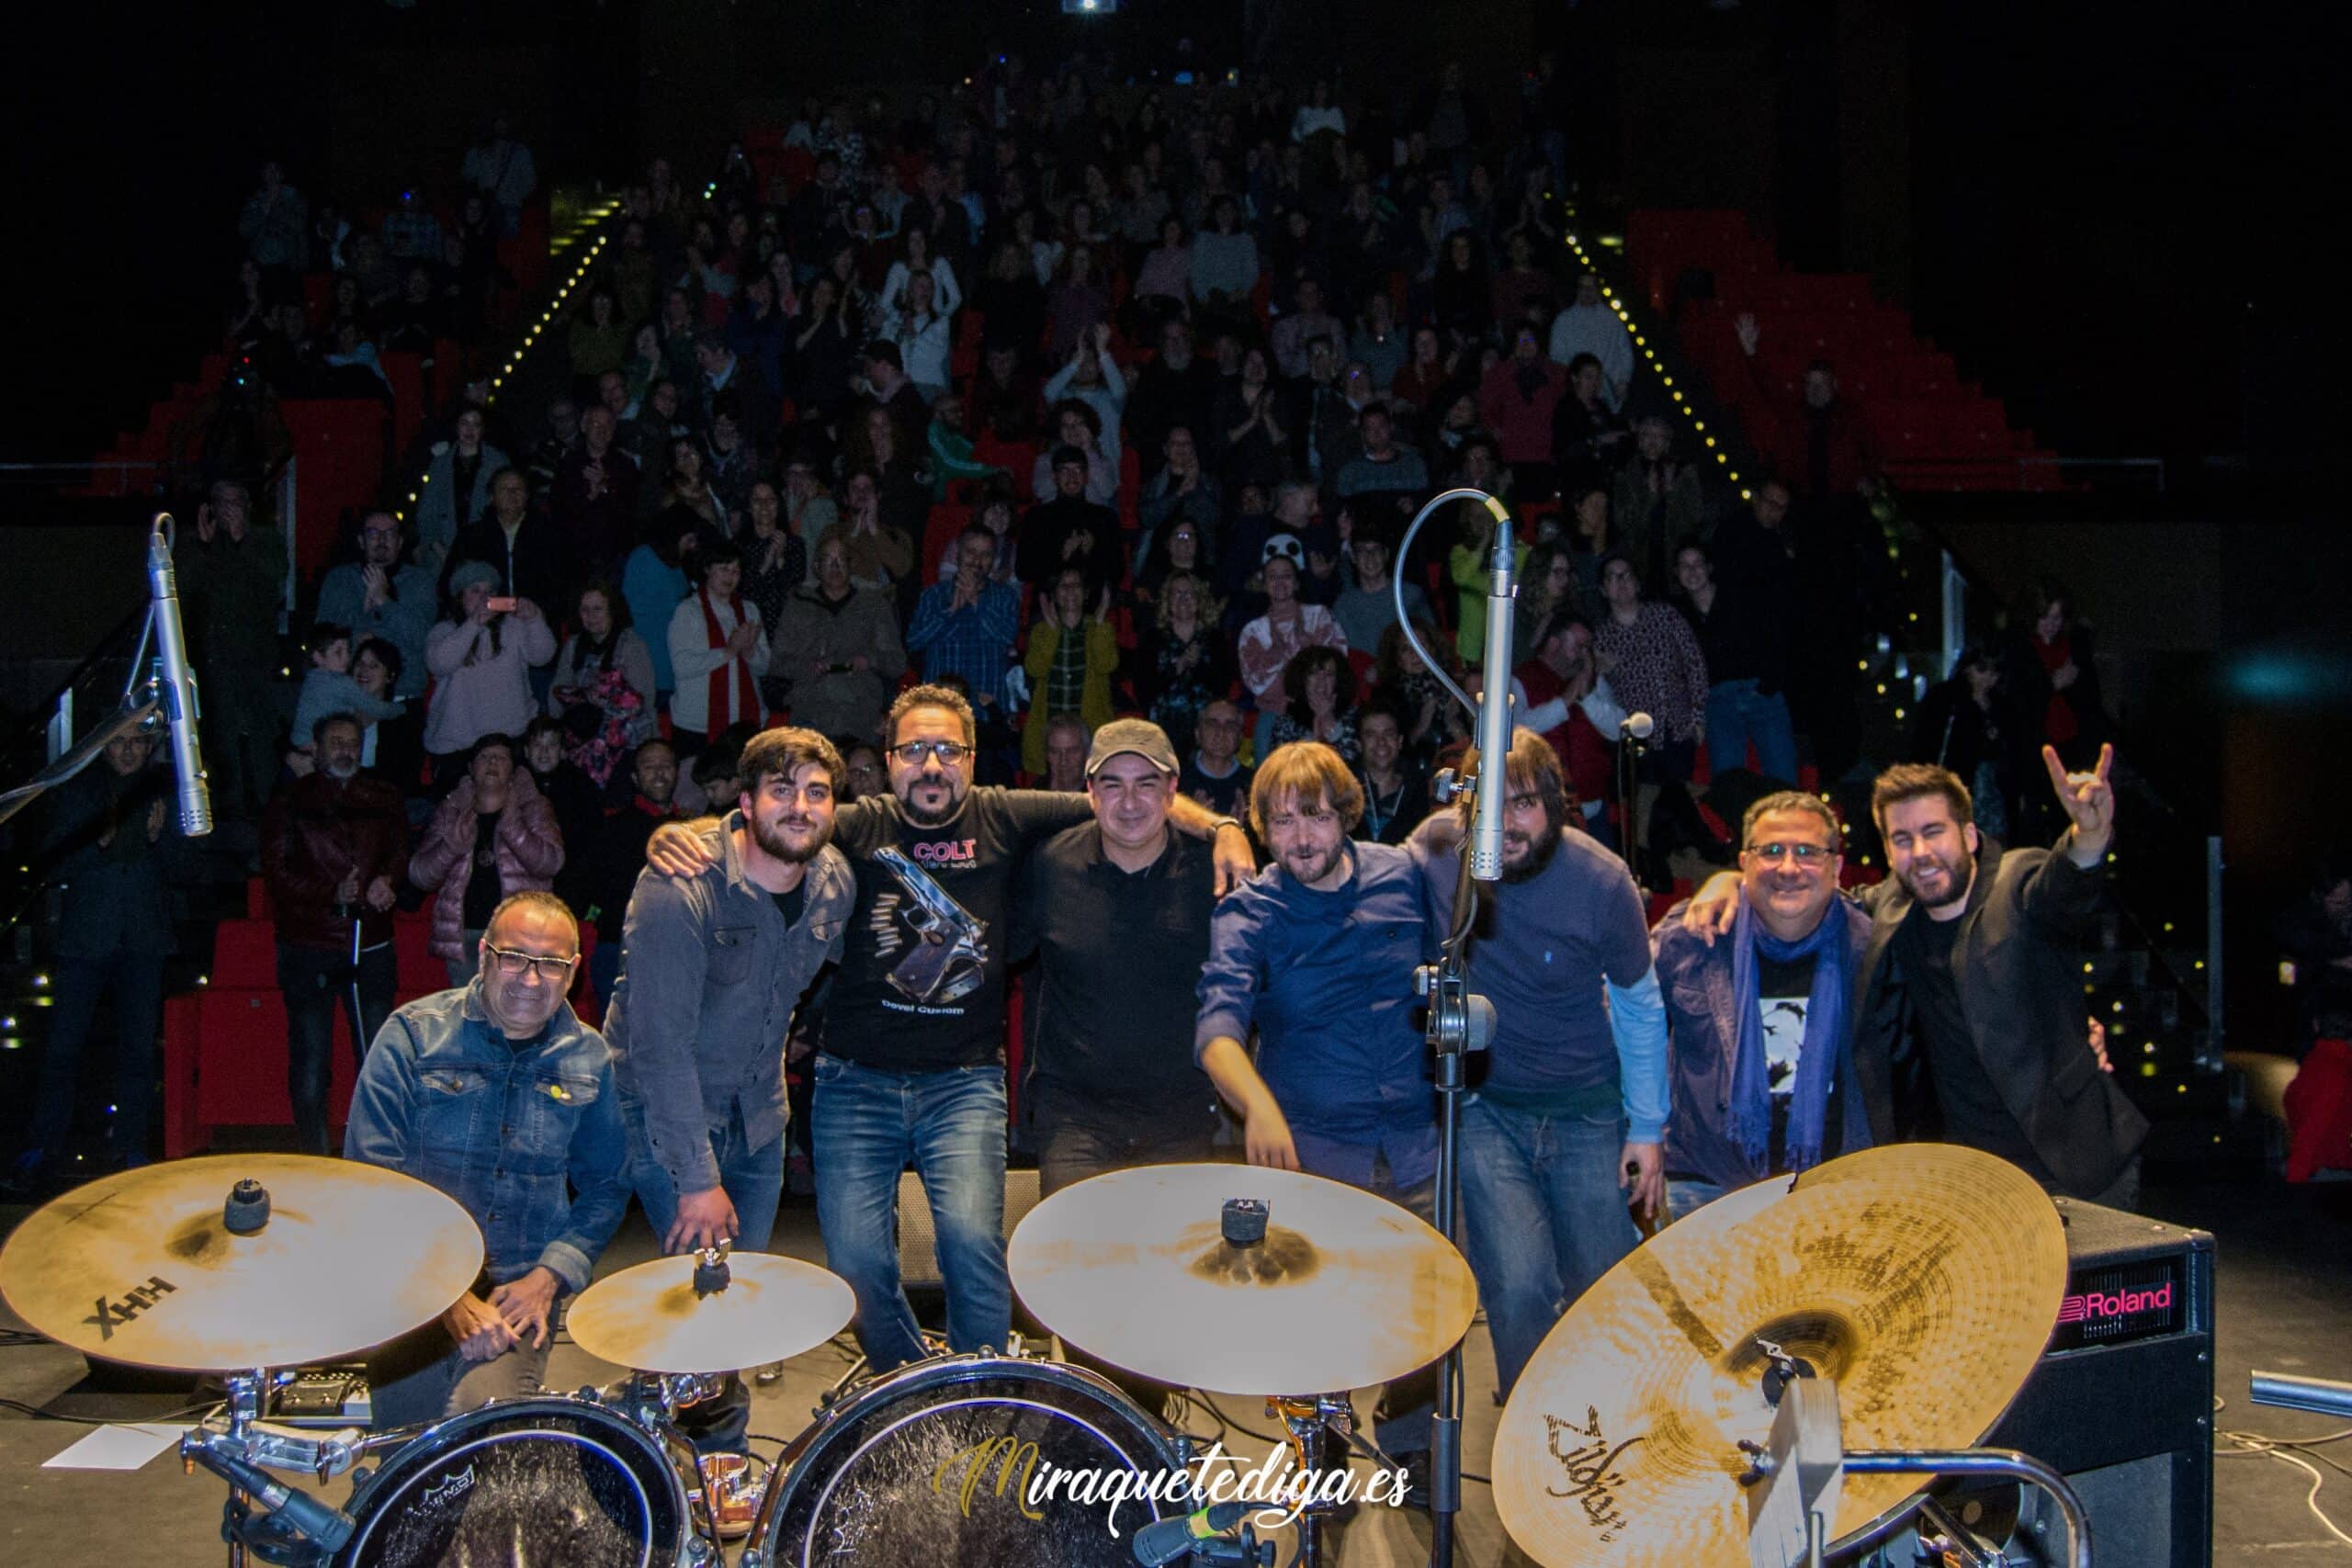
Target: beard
1312, 865
773, 839
1959, 876
1528, 865
930, 816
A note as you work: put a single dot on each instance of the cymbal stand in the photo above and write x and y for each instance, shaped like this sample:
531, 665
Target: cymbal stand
1795, 1478
1304, 1422
235, 1448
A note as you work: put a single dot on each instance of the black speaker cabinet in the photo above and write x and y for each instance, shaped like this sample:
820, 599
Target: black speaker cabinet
2123, 1402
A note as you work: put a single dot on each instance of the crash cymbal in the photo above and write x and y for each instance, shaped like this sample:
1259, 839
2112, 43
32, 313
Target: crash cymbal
1347, 1289
1923, 1277
648, 1319
139, 1267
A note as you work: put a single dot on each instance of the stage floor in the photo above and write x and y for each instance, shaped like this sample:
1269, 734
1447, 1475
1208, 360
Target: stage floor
2285, 1288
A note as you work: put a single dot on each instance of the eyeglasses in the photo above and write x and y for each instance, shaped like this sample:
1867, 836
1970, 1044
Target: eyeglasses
512, 964
1807, 856
949, 752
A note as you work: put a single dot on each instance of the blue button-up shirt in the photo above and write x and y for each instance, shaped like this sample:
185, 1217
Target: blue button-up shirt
1328, 980
976, 642
525, 1136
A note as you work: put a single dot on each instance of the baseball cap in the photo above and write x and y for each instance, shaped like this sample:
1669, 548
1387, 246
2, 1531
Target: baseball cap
1138, 736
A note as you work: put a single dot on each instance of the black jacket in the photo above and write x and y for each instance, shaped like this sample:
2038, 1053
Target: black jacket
2021, 984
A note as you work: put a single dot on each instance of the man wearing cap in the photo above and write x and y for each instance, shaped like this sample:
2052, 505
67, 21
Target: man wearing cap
1118, 911
1069, 530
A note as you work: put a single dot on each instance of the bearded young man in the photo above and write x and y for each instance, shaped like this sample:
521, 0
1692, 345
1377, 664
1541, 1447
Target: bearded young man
712, 966
1573, 1108
1316, 954
1968, 1022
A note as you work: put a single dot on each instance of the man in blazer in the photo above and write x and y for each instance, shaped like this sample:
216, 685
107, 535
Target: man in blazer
1968, 1002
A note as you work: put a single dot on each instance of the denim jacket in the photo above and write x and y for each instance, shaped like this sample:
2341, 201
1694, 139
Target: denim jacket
710, 975
512, 1133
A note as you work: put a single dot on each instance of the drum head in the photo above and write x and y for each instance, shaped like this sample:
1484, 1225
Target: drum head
522, 1481
931, 1466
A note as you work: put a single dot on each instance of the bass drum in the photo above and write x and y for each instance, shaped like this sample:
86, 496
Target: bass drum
524, 1482
908, 1470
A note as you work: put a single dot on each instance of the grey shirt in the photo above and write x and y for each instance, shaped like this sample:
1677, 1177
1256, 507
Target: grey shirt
710, 975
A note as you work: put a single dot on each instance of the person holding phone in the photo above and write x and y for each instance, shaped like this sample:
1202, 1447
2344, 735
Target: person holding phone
481, 656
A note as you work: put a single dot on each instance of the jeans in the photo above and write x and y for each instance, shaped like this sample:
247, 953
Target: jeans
1738, 714
1542, 1217
316, 982
865, 1127
603, 968
1686, 1198
136, 981
421, 1378
1400, 1422
1072, 1146
753, 1181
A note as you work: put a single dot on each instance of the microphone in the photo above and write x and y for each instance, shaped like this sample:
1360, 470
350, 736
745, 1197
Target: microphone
177, 688
1637, 725
1168, 1540
1494, 708
314, 1519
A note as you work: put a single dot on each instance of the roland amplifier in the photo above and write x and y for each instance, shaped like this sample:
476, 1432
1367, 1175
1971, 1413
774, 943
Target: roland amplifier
2123, 1402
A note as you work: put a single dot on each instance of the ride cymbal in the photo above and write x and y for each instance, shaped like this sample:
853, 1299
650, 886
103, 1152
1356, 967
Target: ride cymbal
140, 1267
1924, 1278
648, 1318
1347, 1289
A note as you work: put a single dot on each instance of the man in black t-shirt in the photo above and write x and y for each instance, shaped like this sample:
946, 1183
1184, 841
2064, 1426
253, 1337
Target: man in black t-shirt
912, 1070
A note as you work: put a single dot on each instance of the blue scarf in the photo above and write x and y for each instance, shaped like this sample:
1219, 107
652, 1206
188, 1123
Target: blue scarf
1825, 1022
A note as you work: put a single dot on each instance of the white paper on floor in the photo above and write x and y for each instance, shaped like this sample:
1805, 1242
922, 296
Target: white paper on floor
117, 1447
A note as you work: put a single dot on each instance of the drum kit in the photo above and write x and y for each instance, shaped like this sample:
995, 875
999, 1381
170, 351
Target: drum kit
1764, 1382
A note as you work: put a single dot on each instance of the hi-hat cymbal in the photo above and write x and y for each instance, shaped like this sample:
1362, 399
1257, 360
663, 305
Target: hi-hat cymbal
139, 1267
1346, 1291
648, 1319
1924, 1278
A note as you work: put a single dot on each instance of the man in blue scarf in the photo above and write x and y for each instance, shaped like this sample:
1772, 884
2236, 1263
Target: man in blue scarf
1760, 1026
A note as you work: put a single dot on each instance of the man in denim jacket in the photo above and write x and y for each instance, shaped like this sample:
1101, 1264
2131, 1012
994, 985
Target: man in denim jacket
500, 1097
712, 968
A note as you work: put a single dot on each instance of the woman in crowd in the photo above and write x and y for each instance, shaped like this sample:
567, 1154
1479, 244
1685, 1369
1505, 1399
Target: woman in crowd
915, 256
457, 490
577, 800
480, 658
1186, 662
1966, 724
718, 650
1078, 302
393, 748
604, 689
1656, 667
1072, 657
689, 493
1092, 377
774, 561
1319, 702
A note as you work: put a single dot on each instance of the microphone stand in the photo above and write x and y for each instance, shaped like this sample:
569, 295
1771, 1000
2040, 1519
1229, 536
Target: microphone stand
1458, 1023
1630, 747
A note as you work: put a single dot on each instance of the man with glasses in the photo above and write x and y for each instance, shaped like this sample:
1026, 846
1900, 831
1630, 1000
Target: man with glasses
1966, 1021
1761, 1024
496, 1094
712, 968
1566, 1125
912, 1070
376, 596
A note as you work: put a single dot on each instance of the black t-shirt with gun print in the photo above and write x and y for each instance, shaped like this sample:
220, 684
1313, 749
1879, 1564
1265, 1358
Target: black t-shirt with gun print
920, 986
